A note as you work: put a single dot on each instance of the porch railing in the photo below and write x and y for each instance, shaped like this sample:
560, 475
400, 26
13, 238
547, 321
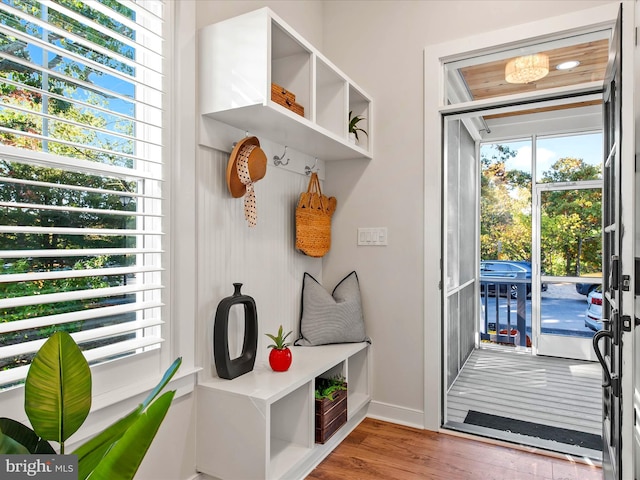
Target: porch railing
497, 315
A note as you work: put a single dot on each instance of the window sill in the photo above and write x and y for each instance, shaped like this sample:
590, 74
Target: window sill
183, 382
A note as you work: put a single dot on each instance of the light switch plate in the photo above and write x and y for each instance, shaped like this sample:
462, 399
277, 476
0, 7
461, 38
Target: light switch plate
374, 236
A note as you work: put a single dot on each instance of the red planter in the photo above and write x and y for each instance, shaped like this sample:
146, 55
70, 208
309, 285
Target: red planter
280, 360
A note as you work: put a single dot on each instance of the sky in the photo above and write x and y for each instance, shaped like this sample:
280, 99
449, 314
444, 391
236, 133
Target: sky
550, 149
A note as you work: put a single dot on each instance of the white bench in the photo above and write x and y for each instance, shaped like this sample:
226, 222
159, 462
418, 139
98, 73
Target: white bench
261, 425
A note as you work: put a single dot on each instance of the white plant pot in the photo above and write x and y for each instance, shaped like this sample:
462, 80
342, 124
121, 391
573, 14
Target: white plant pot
353, 139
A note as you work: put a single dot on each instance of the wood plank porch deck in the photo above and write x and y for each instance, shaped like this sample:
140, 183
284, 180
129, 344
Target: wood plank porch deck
550, 391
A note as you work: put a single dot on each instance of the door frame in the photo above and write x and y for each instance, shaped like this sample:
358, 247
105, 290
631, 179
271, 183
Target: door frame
579, 348
435, 57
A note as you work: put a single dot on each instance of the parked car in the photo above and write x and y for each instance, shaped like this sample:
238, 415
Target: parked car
587, 288
507, 269
593, 318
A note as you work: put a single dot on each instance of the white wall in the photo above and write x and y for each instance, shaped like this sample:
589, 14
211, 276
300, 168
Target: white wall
304, 16
172, 453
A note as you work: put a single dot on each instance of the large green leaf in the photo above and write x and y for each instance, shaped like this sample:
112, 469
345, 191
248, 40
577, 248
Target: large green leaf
58, 389
9, 446
126, 455
91, 452
17, 438
168, 375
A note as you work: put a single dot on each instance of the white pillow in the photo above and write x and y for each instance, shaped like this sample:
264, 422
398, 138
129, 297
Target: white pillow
335, 318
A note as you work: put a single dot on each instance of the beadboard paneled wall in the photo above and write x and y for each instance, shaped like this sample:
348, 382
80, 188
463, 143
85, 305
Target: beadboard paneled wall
262, 258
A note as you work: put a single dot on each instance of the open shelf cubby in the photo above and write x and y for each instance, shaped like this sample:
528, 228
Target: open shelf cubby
335, 371
289, 436
331, 95
358, 391
291, 66
359, 105
241, 57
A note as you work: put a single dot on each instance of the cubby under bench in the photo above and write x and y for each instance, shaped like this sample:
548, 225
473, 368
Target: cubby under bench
261, 425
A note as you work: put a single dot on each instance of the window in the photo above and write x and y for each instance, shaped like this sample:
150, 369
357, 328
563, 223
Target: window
81, 168
505, 201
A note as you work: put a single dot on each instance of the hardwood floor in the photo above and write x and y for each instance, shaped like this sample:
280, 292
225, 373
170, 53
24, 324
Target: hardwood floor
380, 450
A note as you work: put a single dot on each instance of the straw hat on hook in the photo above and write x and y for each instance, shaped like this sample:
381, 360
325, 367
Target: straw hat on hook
257, 165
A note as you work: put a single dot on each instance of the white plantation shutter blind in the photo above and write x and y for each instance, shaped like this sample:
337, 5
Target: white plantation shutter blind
81, 168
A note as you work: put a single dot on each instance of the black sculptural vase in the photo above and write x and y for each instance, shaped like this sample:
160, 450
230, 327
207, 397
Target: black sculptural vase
225, 366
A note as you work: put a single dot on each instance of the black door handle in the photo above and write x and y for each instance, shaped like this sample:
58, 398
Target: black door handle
614, 274
596, 338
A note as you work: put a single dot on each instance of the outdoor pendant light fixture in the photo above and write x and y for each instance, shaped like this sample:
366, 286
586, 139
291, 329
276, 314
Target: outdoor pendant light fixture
568, 65
526, 69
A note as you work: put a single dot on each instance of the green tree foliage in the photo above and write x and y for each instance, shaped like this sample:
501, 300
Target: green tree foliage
66, 81
571, 221
505, 207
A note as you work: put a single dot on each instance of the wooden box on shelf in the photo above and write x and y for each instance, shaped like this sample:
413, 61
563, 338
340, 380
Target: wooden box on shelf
287, 99
330, 415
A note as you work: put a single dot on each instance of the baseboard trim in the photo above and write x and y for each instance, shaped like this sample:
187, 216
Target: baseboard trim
408, 417
197, 476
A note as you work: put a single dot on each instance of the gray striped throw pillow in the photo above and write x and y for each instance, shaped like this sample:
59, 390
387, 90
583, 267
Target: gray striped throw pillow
335, 318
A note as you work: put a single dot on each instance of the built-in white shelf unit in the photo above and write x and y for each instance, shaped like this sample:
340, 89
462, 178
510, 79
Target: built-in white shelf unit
239, 60
261, 425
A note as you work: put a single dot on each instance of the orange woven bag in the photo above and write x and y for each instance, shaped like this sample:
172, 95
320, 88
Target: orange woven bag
313, 220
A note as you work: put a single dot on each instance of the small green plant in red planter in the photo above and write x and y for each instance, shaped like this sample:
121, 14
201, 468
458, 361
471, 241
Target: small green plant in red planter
280, 355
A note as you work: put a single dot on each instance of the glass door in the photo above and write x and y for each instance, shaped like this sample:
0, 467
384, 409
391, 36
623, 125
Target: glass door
568, 298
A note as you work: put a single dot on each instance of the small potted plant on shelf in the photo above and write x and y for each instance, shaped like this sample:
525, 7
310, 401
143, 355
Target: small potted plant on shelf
280, 355
353, 127
330, 406
328, 387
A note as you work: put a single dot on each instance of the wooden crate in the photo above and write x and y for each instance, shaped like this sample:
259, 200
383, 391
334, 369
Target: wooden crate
330, 415
286, 98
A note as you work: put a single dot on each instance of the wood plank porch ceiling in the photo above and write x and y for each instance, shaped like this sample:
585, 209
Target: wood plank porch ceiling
487, 80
